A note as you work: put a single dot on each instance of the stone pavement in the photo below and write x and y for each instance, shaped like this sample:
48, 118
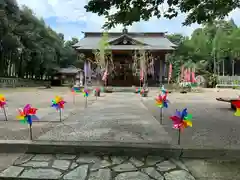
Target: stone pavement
108, 167
118, 117
41, 99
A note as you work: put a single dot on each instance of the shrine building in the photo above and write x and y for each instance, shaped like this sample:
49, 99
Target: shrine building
123, 47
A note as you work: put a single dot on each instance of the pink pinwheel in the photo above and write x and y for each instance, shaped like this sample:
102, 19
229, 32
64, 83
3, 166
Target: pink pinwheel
181, 120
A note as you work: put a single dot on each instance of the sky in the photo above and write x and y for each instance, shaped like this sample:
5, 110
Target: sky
70, 18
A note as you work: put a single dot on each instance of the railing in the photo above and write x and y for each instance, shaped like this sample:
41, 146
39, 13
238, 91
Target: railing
228, 81
18, 82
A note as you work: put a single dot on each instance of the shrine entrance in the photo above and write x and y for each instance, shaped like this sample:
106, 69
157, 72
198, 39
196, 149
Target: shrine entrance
122, 74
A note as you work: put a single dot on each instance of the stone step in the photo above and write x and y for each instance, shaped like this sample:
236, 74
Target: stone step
116, 148
95, 167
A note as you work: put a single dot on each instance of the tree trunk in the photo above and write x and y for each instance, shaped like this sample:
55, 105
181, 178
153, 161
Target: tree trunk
233, 67
223, 67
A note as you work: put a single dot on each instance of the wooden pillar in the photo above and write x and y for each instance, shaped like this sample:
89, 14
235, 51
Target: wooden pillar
162, 69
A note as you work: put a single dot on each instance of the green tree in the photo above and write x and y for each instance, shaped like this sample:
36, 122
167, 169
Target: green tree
28, 47
128, 12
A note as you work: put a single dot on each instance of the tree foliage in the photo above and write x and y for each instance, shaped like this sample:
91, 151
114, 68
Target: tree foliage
211, 49
128, 12
28, 47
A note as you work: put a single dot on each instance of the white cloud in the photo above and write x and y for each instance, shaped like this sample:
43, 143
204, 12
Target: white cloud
72, 11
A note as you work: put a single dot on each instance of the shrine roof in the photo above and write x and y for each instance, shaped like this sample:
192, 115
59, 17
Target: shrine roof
146, 41
68, 70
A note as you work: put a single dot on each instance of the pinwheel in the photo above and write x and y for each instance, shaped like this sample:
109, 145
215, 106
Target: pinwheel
58, 103
2, 105
181, 120
161, 102
163, 90
75, 90
26, 116
86, 94
237, 105
97, 92
138, 90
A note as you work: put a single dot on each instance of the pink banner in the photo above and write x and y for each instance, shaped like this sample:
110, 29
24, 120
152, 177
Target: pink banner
104, 78
141, 75
185, 75
189, 75
193, 77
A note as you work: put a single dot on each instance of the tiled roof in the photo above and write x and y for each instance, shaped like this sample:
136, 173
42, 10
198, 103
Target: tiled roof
153, 41
69, 70
128, 47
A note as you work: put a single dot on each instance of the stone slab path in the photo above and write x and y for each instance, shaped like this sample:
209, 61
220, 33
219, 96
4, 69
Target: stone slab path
107, 167
117, 117
90, 167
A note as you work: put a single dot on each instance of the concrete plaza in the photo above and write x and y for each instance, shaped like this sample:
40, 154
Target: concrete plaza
214, 123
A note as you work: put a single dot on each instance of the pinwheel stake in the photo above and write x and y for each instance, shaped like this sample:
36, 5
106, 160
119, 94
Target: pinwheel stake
86, 94
30, 132
179, 136
181, 120
60, 115
58, 103
28, 115
74, 98
2, 105
161, 102
161, 115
